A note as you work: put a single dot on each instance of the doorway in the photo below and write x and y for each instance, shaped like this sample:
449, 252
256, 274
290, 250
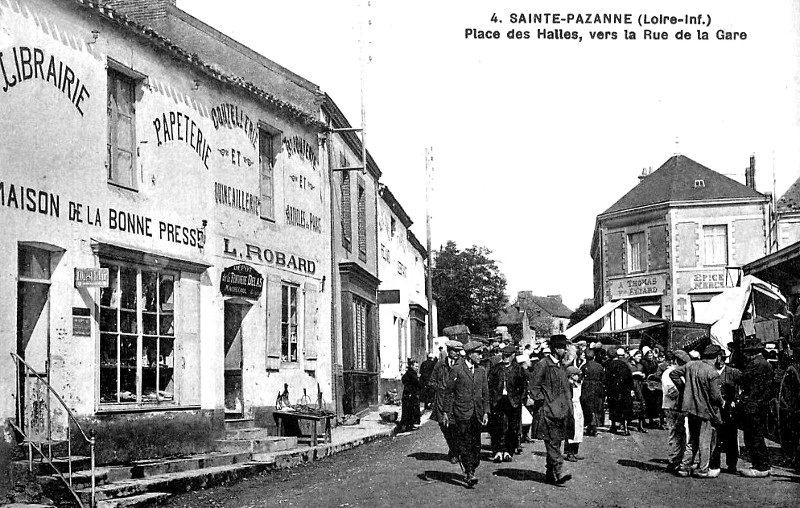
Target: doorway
234, 397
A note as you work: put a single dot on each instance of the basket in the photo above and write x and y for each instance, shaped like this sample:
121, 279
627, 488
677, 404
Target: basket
389, 416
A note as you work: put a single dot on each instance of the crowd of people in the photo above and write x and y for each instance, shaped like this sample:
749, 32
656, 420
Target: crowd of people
557, 392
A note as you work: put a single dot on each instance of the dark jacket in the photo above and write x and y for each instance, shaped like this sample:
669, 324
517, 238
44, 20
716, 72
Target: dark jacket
425, 371
466, 394
553, 419
699, 382
439, 378
594, 380
756, 384
516, 382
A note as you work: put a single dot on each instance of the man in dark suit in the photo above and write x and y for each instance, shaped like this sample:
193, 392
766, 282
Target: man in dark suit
553, 419
593, 393
439, 379
508, 385
467, 402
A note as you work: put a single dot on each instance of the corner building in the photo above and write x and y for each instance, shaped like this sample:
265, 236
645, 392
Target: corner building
166, 219
677, 239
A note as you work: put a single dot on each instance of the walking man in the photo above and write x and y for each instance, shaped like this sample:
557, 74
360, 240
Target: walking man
508, 385
702, 402
439, 378
553, 420
728, 435
467, 402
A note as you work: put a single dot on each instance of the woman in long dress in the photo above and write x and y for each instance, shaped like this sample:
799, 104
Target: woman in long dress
411, 389
572, 445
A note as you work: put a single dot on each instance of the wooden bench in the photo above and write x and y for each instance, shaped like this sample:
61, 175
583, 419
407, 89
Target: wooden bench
282, 417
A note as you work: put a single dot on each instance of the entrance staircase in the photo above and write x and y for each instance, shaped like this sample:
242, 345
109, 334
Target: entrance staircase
147, 482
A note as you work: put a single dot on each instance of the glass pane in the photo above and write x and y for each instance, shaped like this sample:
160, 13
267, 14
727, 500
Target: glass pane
109, 296
149, 295
127, 371
284, 304
167, 293
127, 321
124, 96
128, 285
149, 364
108, 320
33, 262
124, 133
293, 306
150, 323
167, 327
166, 377
108, 368
122, 169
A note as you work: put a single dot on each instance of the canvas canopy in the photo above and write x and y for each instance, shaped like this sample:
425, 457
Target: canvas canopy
582, 325
724, 312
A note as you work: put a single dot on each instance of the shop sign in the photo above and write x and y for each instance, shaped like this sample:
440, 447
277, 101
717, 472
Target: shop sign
81, 326
241, 280
270, 257
708, 280
388, 296
633, 287
91, 277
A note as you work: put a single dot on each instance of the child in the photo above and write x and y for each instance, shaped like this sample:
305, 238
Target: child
572, 445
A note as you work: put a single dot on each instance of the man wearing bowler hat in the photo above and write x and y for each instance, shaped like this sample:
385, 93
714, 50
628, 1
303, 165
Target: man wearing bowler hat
507, 387
439, 378
467, 403
553, 420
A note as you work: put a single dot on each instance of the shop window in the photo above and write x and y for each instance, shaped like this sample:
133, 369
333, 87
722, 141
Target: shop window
362, 223
361, 310
266, 182
637, 262
137, 336
715, 245
121, 145
288, 323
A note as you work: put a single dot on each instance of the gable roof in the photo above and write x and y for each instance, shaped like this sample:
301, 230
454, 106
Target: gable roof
675, 181
790, 201
551, 306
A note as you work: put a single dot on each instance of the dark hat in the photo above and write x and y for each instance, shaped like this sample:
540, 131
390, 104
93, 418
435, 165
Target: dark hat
473, 346
509, 350
559, 340
682, 356
711, 351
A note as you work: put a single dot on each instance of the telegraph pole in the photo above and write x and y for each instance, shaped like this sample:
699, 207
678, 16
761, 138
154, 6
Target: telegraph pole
429, 278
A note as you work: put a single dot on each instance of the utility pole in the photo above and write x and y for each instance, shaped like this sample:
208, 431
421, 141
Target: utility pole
429, 278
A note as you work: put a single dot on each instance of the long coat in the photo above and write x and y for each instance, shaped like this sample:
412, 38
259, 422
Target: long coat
553, 418
593, 392
466, 394
619, 384
410, 410
439, 378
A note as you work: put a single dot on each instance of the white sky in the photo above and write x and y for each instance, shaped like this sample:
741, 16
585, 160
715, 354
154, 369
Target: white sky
532, 139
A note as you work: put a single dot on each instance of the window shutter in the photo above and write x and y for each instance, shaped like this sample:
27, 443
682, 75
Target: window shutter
311, 326
616, 253
187, 317
273, 323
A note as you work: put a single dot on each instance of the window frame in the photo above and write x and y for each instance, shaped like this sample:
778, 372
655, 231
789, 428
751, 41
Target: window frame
268, 147
637, 258
118, 74
361, 205
139, 335
711, 228
286, 325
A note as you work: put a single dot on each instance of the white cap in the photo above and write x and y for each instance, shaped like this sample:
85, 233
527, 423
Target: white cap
645, 349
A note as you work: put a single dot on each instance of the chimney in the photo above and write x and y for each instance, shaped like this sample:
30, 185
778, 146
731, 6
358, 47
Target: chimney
141, 11
643, 175
555, 297
750, 173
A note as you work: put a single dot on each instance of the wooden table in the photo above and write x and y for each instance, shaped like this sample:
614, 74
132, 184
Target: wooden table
282, 416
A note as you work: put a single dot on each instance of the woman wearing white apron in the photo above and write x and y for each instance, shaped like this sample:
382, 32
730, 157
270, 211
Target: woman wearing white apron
572, 445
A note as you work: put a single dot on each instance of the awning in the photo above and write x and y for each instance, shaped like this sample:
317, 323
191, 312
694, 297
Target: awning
582, 325
640, 326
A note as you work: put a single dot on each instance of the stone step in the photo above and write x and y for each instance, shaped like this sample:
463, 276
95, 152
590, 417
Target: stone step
261, 445
239, 423
248, 433
183, 481
40, 467
147, 499
147, 468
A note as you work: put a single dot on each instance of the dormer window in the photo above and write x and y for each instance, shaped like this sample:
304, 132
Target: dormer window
699, 183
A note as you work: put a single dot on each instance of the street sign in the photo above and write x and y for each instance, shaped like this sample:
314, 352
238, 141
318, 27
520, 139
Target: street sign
91, 277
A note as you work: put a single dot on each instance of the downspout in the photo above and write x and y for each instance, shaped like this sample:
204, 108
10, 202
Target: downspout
334, 286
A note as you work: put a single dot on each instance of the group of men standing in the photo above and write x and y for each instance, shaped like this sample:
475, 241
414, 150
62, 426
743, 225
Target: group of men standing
466, 394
